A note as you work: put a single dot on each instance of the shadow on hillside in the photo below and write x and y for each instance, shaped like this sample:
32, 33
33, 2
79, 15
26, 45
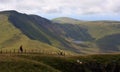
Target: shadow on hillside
75, 32
109, 43
26, 24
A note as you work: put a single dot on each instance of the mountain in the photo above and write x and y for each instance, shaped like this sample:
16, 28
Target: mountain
96, 36
12, 35
67, 34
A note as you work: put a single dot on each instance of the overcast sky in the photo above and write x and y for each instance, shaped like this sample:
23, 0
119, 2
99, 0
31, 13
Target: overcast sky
79, 9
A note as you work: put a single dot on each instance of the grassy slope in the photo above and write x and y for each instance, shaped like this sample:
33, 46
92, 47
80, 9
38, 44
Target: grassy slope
12, 38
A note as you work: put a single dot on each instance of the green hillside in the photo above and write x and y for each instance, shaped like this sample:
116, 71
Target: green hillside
11, 37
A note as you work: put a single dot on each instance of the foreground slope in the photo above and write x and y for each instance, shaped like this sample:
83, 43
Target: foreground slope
55, 63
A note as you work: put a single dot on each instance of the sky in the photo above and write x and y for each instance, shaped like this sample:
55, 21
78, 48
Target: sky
79, 9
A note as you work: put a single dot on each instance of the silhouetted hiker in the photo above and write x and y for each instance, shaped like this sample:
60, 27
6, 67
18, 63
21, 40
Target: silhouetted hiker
61, 53
21, 49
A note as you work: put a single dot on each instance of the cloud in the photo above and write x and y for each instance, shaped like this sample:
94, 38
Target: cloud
64, 7
4, 1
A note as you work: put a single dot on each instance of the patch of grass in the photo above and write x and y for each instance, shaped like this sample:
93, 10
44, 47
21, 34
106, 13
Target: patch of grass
14, 64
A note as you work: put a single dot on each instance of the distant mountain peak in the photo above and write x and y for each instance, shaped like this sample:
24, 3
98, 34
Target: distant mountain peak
66, 20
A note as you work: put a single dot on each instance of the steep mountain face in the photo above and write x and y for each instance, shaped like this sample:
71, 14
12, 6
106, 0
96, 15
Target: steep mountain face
67, 34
